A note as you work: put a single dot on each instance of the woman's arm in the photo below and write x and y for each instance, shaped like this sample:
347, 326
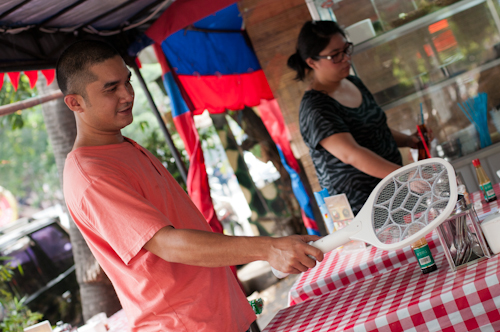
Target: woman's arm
344, 147
403, 140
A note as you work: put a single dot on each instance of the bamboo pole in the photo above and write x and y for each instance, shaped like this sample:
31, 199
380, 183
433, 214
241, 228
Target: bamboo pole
177, 156
23, 104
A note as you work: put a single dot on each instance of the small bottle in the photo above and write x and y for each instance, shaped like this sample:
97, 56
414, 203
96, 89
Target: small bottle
461, 188
257, 305
484, 182
422, 154
424, 256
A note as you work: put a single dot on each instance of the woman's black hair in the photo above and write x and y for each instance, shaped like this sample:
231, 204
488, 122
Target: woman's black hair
313, 38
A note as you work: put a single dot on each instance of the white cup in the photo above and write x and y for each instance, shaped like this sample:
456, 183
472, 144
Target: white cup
491, 230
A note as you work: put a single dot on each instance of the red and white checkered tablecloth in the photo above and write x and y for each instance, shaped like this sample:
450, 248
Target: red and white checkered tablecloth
339, 269
404, 299
482, 208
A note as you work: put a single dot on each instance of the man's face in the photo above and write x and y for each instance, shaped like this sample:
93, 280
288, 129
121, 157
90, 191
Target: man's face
109, 100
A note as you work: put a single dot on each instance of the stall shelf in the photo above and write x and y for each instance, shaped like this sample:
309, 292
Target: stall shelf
436, 60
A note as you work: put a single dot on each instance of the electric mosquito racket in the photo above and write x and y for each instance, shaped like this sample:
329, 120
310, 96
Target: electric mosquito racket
405, 206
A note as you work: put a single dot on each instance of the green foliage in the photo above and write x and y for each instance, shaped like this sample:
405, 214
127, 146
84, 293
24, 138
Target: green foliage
9, 96
208, 137
27, 163
256, 150
145, 129
16, 315
155, 143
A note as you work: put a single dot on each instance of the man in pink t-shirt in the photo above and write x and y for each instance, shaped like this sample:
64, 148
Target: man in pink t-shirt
169, 270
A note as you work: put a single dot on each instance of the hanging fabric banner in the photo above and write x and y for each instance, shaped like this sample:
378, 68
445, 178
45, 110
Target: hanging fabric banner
14, 79
170, 21
32, 76
49, 74
197, 181
224, 72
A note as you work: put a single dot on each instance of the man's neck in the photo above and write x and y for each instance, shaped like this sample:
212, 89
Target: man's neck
97, 140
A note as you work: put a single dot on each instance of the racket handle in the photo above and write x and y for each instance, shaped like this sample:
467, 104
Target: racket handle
330, 242
338, 238
279, 274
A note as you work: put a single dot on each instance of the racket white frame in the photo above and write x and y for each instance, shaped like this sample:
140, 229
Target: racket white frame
358, 228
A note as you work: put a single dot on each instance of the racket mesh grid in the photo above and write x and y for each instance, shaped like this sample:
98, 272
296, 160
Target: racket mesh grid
409, 201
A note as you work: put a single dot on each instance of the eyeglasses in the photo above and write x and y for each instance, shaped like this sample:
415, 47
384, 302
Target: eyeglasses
337, 57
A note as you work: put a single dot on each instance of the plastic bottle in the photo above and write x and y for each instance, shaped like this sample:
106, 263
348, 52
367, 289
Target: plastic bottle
424, 256
484, 182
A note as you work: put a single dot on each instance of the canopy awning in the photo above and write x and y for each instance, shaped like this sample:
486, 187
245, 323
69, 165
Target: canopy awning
33, 33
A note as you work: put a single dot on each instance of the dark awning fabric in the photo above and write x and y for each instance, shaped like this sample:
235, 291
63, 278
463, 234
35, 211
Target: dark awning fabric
33, 33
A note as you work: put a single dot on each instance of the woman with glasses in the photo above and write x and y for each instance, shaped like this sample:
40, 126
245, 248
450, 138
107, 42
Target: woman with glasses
349, 141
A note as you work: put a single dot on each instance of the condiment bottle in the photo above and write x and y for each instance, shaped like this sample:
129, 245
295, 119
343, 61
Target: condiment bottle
422, 154
424, 256
484, 182
462, 189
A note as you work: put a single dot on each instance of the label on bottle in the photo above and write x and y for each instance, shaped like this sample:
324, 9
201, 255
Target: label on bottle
487, 190
424, 256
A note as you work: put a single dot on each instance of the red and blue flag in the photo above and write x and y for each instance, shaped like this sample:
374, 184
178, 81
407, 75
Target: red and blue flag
209, 64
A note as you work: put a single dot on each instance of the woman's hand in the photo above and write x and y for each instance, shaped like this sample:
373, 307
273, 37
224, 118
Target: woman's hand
412, 141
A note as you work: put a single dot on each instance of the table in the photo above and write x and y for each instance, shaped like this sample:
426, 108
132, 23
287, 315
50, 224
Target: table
378, 290
404, 299
339, 269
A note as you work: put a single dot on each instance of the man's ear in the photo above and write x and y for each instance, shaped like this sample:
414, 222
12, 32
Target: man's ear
74, 102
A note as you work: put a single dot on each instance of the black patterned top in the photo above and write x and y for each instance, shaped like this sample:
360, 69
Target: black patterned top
321, 116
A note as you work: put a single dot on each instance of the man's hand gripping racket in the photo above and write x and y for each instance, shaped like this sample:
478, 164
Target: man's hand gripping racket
405, 206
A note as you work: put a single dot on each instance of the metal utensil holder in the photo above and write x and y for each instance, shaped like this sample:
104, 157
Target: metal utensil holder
462, 238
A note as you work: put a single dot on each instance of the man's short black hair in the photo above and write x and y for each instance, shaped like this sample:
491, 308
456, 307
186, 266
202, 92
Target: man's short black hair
73, 67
